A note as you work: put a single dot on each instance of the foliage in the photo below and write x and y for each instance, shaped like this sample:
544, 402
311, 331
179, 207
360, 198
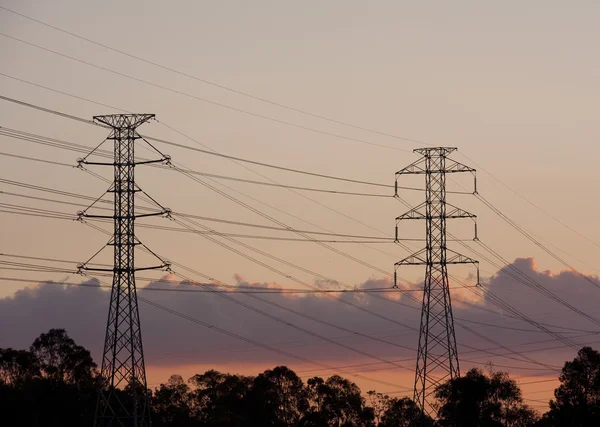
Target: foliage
480, 400
55, 383
52, 384
577, 399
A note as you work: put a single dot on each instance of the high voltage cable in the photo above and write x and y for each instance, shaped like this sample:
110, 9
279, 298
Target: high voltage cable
530, 282
29, 211
291, 190
89, 122
16, 156
187, 215
303, 314
535, 241
396, 302
502, 304
63, 115
305, 330
198, 291
474, 361
528, 359
489, 295
465, 327
212, 290
212, 153
198, 98
215, 84
258, 344
251, 341
39, 139
239, 291
495, 300
534, 204
293, 109
63, 215
505, 314
288, 276
539, 288
270, 218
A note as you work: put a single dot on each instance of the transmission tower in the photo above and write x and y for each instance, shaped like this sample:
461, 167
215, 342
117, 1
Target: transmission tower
122, 396
437, 355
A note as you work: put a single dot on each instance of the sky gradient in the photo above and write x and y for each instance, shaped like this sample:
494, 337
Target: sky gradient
513, 85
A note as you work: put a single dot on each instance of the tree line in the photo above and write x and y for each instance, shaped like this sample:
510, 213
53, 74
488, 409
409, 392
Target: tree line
55, 383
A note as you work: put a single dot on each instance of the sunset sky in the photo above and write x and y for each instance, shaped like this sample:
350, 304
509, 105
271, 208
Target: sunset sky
512, 84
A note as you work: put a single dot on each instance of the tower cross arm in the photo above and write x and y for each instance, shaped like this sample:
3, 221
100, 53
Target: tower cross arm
417, 167
454, 166
417, 212
418, 258
457, 258
456, 212
121, 121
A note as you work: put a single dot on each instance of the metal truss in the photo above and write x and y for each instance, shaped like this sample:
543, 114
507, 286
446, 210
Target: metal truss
437, 354
123, 397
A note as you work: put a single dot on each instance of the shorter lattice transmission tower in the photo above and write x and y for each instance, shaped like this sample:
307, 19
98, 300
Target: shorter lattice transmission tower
437, 354
123, 397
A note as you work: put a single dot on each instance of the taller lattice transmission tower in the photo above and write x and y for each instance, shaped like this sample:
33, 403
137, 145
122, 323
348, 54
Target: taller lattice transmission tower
122, 396
437, 355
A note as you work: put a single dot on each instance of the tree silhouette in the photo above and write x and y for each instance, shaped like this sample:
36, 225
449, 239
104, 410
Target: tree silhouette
480, 400
220, 399
54, 383
577, 399
277, 398
17, 366
395, 412
61, 359
172, 403
338, 402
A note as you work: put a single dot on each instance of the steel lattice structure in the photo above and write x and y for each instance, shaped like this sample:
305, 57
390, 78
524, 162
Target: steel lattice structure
123, 397
437, 354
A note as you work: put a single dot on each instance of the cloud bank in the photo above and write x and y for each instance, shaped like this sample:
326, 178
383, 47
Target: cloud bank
171, 340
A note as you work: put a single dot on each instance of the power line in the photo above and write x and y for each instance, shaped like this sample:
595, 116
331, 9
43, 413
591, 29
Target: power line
301, 219
531, 283
29, 211
63, 215
187, 215
463, 325
535, 205
40, 139
239, 92
198, 98
437, 353
279, 272
258, 344
237, 288
290, 190
249, 290
534, 240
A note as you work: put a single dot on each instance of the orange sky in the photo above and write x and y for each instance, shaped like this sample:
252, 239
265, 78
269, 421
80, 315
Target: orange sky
512, 84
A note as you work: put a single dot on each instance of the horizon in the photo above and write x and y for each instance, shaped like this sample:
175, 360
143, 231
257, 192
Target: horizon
280, 128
